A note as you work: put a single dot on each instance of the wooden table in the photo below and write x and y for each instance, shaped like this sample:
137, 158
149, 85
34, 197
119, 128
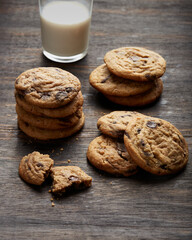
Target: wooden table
139, 207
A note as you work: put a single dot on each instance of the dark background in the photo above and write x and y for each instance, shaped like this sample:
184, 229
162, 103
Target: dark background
139, 207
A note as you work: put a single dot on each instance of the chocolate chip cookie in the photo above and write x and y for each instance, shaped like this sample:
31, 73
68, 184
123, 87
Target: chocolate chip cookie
47, 87
141, 99
156, 145
69, 177
115, 123
135, 63
108, 83
60, 112
46, 134
111, 156
35, 167
49, 123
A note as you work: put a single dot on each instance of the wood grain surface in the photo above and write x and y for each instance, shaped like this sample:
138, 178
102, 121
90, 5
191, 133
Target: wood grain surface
139, 207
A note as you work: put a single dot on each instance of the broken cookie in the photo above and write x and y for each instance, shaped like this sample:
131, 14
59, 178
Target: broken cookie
35, 167
69, 177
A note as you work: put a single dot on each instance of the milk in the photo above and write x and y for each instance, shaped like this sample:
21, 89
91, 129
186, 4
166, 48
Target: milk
65, 27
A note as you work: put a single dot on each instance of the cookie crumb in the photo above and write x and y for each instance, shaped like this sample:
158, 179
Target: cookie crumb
49, 191
68, 160
61, 149
51, 199
77, 139
52, 204
53, 151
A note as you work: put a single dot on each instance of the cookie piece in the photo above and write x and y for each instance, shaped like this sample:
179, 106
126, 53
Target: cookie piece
46, 134
135, 63
60, 112
35, 167
115, 123
69, 177
47, 87
111, 156
140, 99
49, 123
108, 83
156, 145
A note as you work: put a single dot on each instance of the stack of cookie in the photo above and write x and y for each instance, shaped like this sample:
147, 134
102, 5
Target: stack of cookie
49, 103
131, 139
107, 152
130, 76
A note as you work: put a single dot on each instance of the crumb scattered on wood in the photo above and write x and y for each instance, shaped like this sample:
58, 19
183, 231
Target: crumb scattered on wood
77, 139
68, 160
61, 149
52, 204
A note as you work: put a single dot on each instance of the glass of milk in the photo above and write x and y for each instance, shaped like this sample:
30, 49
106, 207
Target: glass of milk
65, 28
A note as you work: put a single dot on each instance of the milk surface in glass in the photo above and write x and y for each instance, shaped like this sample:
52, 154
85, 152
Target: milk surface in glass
65, 27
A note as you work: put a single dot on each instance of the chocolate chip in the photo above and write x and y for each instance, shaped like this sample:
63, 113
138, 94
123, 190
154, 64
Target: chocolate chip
151, 124
56, 69
114, 122
61, 95
45, 95
39, 165
148, 76
163, 166
105, 79
73, 178
146, 153
138, 130
69, 89
127, 115
127, 134
142, 143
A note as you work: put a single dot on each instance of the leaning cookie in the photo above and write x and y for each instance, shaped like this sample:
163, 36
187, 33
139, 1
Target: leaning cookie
47, 87
135, 63
108, 83
46, 134
115, 123
156, 145
35, 167
110, 156
140, 99
69, 177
